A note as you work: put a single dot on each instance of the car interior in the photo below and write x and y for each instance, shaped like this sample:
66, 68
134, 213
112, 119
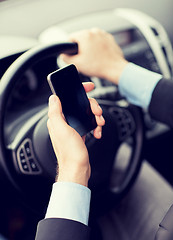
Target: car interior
33, 34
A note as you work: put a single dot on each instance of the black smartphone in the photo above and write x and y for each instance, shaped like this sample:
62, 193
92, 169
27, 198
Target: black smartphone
66, 84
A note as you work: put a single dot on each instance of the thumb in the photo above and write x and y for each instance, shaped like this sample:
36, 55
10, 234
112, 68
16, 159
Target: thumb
88, 86
55, 108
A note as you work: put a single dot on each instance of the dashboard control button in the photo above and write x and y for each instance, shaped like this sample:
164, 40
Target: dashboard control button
25, 167
33, 165
26, 161
21, 154
27, 149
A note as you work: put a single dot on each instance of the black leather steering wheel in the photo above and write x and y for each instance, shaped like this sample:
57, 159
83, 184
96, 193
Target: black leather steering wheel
27, 159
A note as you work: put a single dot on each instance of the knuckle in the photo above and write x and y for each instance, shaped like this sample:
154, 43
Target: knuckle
93, 100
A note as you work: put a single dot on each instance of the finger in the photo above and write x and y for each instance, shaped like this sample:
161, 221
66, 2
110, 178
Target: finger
97, 132
56, 123
100, 120
77, 36
67, 58
55, 108
95, 107
89, 86
97, 30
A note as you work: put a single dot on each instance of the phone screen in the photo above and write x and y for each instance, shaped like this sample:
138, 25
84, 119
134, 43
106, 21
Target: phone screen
66, 84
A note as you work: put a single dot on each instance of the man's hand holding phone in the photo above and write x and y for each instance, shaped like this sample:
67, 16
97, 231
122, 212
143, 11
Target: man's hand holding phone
69, 146
67, 85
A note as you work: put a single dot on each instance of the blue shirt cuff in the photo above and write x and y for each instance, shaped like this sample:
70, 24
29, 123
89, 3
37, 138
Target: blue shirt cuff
69, 200
137, 84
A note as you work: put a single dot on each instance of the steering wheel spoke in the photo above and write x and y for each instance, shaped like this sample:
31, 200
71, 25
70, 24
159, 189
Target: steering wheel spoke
25, 160
21, 146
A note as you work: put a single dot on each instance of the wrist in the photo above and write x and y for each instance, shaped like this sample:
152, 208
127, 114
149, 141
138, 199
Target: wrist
75, 175
114, 70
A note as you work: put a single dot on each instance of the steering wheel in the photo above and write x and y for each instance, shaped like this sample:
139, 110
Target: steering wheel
27, 159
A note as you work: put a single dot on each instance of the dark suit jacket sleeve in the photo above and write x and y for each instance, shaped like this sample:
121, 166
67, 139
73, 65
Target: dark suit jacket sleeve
161, 104
61, 229
161, 109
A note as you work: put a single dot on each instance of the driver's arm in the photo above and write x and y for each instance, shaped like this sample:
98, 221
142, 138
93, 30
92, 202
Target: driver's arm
68, 209
100, 56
